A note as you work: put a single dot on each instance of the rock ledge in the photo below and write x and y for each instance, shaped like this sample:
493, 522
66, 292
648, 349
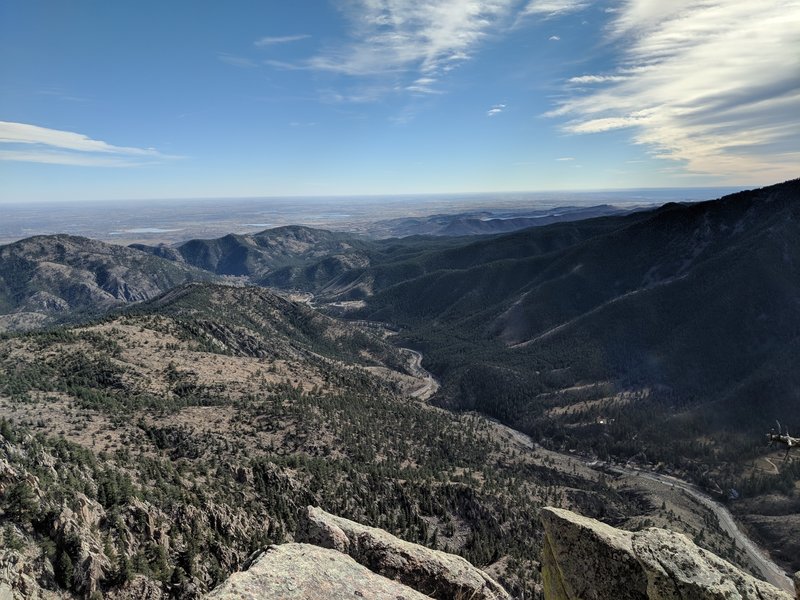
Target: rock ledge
586, 559
344, 559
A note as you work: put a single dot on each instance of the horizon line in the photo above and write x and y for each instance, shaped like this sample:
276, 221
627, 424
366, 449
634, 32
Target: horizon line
387, 195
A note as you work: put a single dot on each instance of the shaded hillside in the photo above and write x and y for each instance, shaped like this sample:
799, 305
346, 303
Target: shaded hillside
261, 253
698, 301
255, 322
46, 277
341, 266
669, 337
396, 261
330, 264
487, 222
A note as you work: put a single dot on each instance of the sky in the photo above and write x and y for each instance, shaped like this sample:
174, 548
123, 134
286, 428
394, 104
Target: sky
152, 99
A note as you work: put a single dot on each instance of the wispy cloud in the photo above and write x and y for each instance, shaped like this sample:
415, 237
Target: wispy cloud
423, 85
553, 8
283, 65
31, 143
565, 158
712, 84
495, 110
279, 39
587, 79
554, 38
429, 38
411, 46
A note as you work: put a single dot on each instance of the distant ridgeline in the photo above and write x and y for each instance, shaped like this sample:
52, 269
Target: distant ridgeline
688, 308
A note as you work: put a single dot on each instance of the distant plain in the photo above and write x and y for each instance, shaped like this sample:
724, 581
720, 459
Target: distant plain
172, 221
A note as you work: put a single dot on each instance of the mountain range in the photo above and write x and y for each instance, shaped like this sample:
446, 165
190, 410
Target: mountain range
665, 337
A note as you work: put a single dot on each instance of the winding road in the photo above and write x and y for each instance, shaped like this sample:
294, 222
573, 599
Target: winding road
769, 570
429, 384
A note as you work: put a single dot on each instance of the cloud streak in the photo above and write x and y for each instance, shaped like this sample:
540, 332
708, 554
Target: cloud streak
30, 143
553, 8
712, 84
588, 79
279, 39
402, 37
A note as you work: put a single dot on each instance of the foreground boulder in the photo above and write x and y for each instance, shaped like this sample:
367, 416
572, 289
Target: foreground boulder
585, 559
343, 559
432, 572
306, 572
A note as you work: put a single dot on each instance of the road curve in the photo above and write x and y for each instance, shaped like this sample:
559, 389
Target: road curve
771, 572
429, 385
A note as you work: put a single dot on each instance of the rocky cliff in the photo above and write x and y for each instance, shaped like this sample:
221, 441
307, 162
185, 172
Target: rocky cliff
307, 572
585, 559
346, 559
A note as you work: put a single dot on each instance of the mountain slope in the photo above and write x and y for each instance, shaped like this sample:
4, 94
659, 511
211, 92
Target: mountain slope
261, 253
702, 300
44, 277
488, 222
160, 447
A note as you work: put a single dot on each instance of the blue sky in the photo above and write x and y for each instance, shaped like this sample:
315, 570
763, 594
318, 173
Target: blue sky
199, 98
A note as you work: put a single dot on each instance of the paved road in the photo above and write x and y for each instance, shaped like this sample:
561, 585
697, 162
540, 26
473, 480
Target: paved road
429, 385
769, 570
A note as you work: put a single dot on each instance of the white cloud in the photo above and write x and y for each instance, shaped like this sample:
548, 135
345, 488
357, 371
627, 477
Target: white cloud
279, 39
495, 110
31, 143
553, 8
584, 79
66, 158
424, 85
565, 158
711, 83
406, 35
554, 38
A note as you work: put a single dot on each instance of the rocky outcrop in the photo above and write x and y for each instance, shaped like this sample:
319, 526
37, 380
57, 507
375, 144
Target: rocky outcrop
585, 559
432, 572
343, 559
307, 572
26, 576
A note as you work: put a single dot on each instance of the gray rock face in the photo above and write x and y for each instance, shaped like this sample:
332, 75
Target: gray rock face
306, 572
586, 559
344, 559
431, 572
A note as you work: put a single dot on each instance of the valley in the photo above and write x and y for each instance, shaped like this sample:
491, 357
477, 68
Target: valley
168, 409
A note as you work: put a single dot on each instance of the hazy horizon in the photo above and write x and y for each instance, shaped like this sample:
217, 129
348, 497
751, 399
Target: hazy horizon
175, 220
